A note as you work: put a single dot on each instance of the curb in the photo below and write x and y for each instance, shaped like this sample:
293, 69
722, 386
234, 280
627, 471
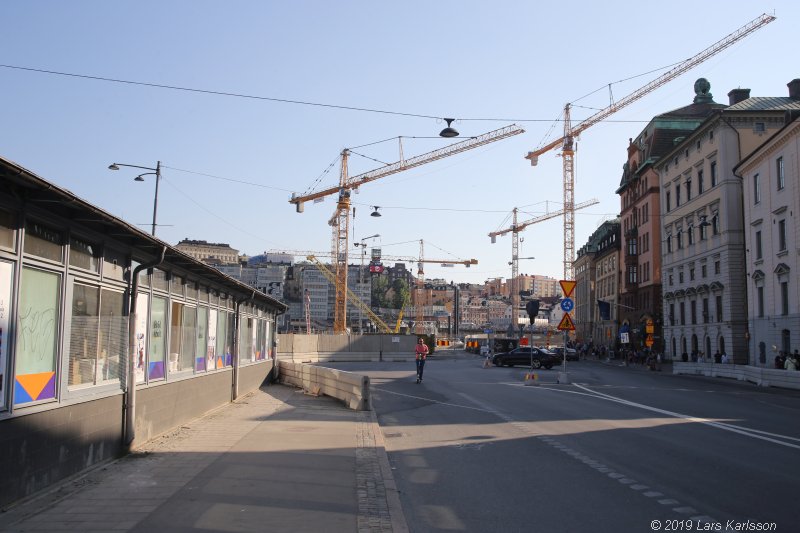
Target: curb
397, 517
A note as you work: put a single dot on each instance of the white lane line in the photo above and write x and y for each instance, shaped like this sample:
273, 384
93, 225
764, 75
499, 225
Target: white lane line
747, 432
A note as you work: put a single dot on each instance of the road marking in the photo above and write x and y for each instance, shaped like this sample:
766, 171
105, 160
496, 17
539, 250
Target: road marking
747, 432
434, 401
588, 461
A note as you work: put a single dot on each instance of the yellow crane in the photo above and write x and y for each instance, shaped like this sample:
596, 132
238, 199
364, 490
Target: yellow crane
421, 281
354, 299
340, 221
514, 230
567, 140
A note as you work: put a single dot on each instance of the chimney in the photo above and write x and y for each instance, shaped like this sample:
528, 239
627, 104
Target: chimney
737, 95
794, 89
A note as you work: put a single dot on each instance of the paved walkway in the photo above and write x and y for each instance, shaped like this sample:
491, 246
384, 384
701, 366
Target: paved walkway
277, 460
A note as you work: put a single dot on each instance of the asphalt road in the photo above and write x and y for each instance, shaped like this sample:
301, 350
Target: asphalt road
618, 449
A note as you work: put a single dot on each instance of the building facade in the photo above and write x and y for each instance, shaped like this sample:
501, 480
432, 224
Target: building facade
209, 252
771, 178
704, 265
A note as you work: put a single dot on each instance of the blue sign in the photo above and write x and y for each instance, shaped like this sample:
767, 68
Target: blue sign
487, 331
567, 304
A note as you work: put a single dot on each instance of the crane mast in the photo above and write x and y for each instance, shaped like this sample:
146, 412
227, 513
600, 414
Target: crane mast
514, 230
566, 142
340, 221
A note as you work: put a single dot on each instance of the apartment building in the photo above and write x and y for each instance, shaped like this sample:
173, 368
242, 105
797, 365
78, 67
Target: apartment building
704, 274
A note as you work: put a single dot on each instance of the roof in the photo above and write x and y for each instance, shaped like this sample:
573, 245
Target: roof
28, 188
766, 103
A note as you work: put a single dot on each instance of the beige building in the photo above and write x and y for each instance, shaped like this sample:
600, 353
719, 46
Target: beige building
208, 252
771, 178
703, 227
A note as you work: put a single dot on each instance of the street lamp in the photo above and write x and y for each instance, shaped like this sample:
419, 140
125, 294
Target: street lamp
155, 172
362, 244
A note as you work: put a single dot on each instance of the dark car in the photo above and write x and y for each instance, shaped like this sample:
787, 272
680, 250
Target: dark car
524, 356
572, 354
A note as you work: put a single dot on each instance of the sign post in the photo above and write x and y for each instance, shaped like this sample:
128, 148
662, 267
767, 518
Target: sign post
566, 325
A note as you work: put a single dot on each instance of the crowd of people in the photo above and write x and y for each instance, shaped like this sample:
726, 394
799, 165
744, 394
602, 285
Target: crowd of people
787, 361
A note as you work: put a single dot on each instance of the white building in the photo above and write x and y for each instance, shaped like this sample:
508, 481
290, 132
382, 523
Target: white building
771, 177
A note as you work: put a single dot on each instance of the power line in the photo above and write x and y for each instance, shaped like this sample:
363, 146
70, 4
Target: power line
284, 100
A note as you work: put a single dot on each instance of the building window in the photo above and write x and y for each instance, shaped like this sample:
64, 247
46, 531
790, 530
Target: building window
780, 173
677, 195
43, 242
201, 351
760, 300
98, 336
35, 377
759, 127
705, 311
682, 308
713, 168
703, 271
158, 331
782, 235
680, 277
784, 298
669, 243
703, 230
680, 239
669, 201
691, 274
8, 231
688, 189
715, 224
671, 314
719, 308
670, 280
632, 247
700, 184
756, 189
693, 309
181, 337
83, 255
759, 249
716, 267
690, 234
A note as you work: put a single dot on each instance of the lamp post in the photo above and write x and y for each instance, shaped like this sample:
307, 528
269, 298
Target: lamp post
155, 172
362, 244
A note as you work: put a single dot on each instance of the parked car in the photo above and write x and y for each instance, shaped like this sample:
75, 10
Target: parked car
525, 356
572, 354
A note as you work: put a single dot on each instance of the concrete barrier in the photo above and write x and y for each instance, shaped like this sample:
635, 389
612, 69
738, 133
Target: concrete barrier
764, 377
301, 348
351, 388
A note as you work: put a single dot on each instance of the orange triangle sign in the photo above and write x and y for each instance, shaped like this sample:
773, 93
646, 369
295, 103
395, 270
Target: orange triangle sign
567, 287
566, 323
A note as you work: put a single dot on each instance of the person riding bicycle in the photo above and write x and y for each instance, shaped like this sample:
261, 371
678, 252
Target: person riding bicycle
421, 353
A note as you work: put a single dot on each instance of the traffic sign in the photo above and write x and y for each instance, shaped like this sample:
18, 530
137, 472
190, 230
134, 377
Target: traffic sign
566, 323
567, 286
567, 304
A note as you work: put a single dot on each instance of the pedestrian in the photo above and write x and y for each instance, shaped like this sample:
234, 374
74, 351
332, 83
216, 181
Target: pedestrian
791, 361
724, 359
718, 357
421, 352
780, 361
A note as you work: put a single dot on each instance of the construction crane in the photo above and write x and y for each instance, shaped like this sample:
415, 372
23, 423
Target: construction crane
351, 295
567, 141
421, 281
340, 221
514, 230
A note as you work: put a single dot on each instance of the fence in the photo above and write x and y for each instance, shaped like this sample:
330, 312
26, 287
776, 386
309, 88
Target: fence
764, 377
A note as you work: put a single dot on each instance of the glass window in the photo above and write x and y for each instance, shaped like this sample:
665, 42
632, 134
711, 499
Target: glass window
114, 265
715, 224
8, 230
782, 235
690, 234
44, 242
716, 267
83, 335
160, 280
83, 255
780, 173
682, 307
784, 298
760, 300
700, 182
719, 308
113, 335
677, 194
140, 335
181, 338
202, 340
713, 168
211, 347
158, 330
37, 336
693, 311
223, 349
688, 189
759, 249
177, 285
246, 340
705, 311
756, 189
669, 201
6, 275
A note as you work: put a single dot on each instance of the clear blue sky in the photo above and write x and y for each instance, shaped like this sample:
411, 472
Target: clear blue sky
466, 59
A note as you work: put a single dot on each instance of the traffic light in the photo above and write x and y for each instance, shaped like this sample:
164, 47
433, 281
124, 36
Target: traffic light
532, 307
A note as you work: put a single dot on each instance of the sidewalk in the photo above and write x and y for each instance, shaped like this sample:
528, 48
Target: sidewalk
276, 460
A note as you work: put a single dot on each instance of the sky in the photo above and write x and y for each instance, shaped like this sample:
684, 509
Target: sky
364, 72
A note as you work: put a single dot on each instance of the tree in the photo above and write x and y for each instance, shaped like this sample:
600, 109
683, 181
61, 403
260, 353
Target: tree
401, 293
379, 287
